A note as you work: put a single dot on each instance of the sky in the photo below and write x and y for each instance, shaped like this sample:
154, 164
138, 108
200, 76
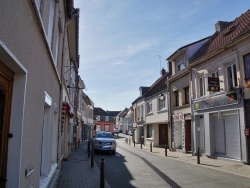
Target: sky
123, 44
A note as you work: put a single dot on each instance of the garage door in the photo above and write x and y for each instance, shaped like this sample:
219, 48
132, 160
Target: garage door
219, 136
232, 136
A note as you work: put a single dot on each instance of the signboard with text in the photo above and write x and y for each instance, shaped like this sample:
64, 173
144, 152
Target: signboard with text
221, 100
213, 84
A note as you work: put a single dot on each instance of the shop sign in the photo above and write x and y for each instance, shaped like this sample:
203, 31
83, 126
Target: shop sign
213, 84
178, 117
221, 100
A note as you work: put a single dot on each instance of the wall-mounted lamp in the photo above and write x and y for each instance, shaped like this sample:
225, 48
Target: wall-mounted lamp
161, 96
175, 88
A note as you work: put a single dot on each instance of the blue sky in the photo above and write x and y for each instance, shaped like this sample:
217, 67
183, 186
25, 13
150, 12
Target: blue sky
124, 43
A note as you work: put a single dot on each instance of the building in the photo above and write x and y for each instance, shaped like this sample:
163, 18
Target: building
103, 120
220, 91
179, 96
32, 85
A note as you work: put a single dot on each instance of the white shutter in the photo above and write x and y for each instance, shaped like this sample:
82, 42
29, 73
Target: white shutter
219, 136
232, 136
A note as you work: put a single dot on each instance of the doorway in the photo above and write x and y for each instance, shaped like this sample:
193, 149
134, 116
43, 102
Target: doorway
163, 135
187, 135
6, 86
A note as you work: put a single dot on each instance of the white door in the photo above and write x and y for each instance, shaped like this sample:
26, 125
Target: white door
219, 136
232, 136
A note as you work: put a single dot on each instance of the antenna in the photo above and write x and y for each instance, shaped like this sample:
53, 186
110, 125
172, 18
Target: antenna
160, 61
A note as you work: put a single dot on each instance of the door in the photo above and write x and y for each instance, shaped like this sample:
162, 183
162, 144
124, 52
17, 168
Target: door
6, 84
233, 148
187, 135
163, 134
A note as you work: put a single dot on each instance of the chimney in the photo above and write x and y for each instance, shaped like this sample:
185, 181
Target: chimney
220, 25
163, 71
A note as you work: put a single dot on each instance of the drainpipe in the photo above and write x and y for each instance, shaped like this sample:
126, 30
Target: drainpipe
170, 118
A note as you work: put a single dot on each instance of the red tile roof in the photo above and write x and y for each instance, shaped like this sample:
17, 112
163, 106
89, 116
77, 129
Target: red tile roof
219, 40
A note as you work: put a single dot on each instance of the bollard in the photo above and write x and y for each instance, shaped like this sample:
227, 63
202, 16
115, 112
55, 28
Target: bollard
134, 143
150, 146
102, 173
166, 150
92, 157
198, 155
88, 149
129, 141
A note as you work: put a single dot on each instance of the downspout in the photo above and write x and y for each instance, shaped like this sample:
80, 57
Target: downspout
59, 154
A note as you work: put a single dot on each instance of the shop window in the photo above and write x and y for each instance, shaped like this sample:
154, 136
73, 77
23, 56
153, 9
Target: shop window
149, 131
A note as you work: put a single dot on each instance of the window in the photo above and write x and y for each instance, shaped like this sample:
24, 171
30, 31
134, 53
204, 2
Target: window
180, 64
149, 131
215, 74
98, 118
202, 86
231, 76
149, 107
106, 118
98, 128
186, 90
161, 103
247, 66
107, 128
176, 95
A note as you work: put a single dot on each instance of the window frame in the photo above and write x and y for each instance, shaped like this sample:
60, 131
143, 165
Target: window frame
246, 60
161, 103
186, 95
231, 82
202, 90
149, 131
177, 100
149, 107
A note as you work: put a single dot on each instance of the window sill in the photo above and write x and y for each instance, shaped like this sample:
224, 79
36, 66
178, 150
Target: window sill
162, 110
149, 114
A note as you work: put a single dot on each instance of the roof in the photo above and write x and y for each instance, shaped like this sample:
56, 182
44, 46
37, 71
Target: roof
158, 86
183, 47
220, 39
100, 112
113, 113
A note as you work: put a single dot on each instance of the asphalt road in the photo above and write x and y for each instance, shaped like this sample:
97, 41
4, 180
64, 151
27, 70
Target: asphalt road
131, 167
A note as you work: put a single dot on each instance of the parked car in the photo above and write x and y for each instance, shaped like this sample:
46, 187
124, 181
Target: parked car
116, 131
104, 141
130, 133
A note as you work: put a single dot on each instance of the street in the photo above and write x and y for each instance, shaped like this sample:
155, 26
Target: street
131, 167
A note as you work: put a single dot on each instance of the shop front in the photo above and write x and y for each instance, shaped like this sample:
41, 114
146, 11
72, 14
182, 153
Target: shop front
219, 126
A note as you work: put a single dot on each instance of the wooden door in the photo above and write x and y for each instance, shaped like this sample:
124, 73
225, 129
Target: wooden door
163, 134
6, 84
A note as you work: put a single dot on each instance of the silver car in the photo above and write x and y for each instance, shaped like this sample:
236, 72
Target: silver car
104, 141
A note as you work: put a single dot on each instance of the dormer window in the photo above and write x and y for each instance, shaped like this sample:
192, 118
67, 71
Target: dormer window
180, 64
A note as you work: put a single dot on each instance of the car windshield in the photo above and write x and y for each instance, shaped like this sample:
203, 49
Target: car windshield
104, 135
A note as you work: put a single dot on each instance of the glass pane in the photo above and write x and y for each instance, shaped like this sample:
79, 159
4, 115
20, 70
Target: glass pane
201, 86
229, 77
247, 66
235, 75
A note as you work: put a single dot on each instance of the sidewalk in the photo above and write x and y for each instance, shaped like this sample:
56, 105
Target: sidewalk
77, 170
221, 164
